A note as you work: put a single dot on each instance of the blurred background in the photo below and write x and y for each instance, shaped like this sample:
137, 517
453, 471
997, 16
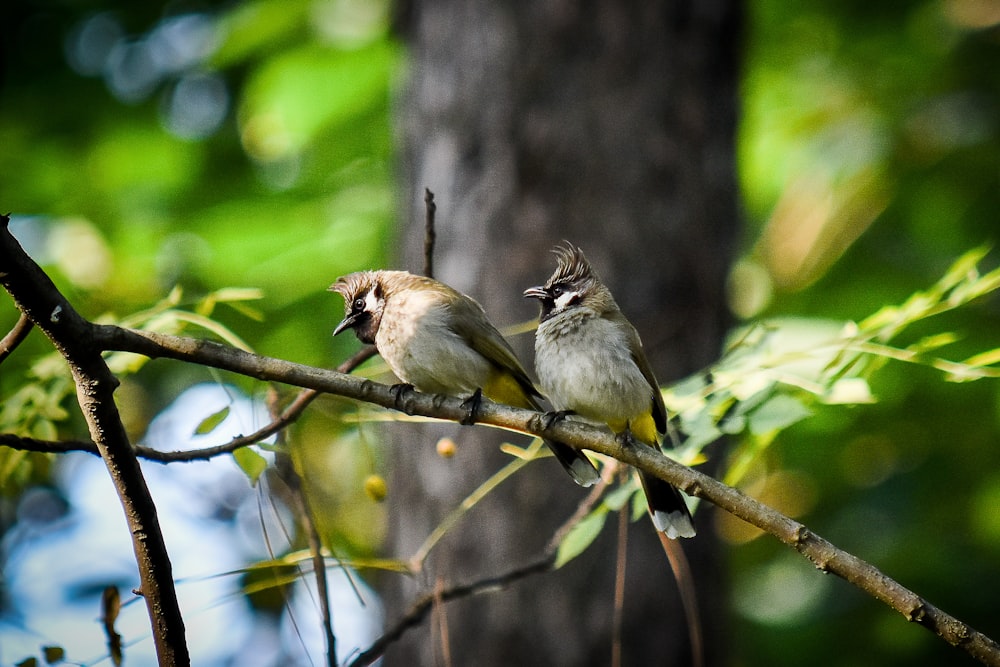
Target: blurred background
209, 145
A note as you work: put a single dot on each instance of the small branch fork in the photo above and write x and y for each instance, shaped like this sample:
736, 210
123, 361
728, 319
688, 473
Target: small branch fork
81, 342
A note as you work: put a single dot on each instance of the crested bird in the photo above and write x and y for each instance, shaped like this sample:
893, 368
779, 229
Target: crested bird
590, 362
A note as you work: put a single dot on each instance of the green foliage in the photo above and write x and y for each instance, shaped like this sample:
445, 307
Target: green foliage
777, 373
41, 406
251, 463
580, 536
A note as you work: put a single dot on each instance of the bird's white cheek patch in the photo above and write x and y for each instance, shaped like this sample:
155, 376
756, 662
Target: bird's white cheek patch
565, 299
371, 302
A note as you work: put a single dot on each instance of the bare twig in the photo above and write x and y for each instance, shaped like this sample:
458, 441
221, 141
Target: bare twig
689, 599
302, 509
296, 488
619, 604
14, 337
288, 416
429, 234
426, 604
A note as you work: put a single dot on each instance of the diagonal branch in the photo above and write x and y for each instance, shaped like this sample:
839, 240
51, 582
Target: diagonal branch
38, 299
821, 552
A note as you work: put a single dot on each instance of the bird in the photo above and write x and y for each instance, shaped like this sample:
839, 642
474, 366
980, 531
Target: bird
589, 362
438, 340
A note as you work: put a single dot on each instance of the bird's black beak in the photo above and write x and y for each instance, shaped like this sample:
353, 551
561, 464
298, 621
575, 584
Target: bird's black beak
346, 323
536, 293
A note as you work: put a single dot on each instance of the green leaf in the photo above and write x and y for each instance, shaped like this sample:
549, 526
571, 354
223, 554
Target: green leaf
849, 391
987, 358
251, 463
963, 268
934, 342
54, 654
777, 414
581, 536
615, 500
27, 662
211, 422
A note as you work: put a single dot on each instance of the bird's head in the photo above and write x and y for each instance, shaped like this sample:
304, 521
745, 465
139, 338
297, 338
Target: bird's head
574, 284
364, 303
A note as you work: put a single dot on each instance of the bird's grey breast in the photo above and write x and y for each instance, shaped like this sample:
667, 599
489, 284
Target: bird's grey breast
584, 363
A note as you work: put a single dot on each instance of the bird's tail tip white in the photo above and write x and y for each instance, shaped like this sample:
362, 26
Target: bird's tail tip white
674, 524
584, 473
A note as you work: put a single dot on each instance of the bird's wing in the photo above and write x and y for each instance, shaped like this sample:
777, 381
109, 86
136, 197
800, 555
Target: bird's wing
639, 357
469, 321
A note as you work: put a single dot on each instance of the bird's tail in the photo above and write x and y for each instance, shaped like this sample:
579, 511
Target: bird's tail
667, 507
576, 463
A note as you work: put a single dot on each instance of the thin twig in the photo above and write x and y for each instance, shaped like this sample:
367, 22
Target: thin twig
15, 336
296, 488
619, 604
681, 568
440, 619
430, 235
542, 563
288, 416
302, 508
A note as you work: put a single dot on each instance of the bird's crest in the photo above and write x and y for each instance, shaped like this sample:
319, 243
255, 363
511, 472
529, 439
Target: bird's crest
572, 265
354, 284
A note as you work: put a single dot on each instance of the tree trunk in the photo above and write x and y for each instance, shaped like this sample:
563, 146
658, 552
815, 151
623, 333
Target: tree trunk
610, 125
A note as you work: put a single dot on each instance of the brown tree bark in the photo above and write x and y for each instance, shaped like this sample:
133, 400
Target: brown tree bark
610, 125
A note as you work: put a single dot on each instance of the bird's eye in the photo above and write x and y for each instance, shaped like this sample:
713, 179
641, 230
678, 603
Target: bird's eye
557, 291
359, 304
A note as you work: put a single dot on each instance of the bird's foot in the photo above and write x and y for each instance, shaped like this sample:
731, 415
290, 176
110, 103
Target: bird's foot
625, 439
399, 392
554, 417
471, 406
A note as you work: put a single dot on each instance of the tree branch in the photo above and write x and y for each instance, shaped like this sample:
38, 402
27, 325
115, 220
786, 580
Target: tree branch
821, 552
14, 337
80, 341
38, 299
430, 235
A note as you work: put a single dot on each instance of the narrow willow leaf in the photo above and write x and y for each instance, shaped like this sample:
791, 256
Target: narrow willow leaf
849, 391
251, 463
218, 329
246, 311
231, 294
581, 536
777, 414
934, 342
987, 358
615, 500
963, 267
211, 422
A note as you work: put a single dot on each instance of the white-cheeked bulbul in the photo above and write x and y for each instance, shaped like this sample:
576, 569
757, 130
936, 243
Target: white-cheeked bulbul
590, 362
